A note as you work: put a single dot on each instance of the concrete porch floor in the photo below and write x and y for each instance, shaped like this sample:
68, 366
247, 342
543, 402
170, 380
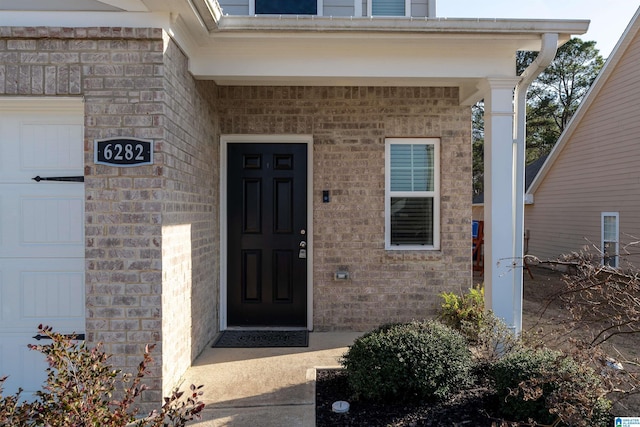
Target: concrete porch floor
265, 387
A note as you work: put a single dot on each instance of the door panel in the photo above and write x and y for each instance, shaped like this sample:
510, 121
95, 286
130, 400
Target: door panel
283, 205
251, 279
283, 265
267, 213
252, 211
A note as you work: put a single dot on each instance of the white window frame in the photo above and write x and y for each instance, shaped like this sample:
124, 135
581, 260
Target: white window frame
435, 194
616, 258
319, 7
407, 8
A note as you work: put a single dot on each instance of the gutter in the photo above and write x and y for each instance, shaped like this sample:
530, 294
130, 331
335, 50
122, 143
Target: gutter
549, 47
313, 23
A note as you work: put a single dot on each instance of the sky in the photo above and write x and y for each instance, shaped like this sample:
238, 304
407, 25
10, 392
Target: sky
609, 18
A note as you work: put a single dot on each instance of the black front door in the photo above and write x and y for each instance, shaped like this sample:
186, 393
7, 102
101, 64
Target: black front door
267, 235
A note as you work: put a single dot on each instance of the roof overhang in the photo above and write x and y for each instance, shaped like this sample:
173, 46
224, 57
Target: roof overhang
305, 50
361, 51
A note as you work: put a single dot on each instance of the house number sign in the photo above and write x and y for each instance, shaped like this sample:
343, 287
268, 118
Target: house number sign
123, 152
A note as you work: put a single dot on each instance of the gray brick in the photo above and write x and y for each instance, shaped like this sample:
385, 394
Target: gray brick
50, 80
125, 300
62, 87
34, 58
24, 79
21, 45
37, 80
95, 57
124, 325
126, 57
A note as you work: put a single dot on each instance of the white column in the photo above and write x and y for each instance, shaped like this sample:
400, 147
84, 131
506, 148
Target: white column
502, 276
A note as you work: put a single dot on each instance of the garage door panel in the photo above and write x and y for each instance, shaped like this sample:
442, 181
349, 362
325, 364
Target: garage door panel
41, 220
51, 147
51, 220
52, 295
46, 147
25, 368
44, 291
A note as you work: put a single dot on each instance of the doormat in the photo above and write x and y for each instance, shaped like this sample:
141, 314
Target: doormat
250, 339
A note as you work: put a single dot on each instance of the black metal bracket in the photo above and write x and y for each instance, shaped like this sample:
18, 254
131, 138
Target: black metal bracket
60, 178
79, 337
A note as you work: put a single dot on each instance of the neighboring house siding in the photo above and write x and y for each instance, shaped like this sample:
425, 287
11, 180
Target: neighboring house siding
140, 272
419, 8
597, 171
235, 7
338, 8
349, 126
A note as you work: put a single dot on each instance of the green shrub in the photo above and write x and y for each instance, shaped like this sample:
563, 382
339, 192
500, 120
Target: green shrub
80, 388
464, 312
549, 387
417, 360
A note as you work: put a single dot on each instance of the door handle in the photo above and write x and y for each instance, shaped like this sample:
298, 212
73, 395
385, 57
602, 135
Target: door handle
302, 252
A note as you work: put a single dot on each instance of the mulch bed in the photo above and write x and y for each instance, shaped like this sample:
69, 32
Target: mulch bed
469, 408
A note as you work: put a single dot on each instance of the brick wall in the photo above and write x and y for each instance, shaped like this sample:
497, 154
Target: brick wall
190, 254
151, 232
349, 125
151, 237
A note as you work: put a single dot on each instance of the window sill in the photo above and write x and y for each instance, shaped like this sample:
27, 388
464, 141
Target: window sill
405, 248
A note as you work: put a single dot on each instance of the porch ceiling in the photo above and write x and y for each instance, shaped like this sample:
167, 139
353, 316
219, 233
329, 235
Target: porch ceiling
304, 50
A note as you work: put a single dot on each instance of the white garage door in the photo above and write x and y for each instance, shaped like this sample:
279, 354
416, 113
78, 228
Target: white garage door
41, 231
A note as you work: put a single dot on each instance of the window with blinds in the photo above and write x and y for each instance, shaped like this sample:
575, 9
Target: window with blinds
412, 193
286, 7
388, 8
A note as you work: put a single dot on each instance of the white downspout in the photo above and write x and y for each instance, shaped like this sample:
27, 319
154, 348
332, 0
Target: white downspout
548, 49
